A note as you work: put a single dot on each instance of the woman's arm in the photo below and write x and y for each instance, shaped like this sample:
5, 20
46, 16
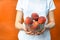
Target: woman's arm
18, 21
51, 23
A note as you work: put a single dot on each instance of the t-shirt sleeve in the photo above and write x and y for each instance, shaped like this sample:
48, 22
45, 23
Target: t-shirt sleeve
19, 5
51, 5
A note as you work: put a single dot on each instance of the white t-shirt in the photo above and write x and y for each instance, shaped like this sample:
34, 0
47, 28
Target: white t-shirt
42, 7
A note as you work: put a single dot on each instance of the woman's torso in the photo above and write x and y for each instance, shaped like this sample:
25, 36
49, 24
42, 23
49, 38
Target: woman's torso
40, 7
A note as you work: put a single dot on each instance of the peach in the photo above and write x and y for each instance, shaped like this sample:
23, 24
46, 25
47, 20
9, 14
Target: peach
35, 25
35, 16
28, 20
41, 20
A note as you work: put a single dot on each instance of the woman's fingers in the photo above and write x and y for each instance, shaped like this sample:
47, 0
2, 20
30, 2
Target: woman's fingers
30, 32
43, 30
38, 33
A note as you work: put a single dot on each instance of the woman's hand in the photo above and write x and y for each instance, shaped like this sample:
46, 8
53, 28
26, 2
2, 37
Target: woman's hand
38, 33
28, 32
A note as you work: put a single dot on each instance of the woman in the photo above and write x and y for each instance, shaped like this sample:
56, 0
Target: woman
43, 8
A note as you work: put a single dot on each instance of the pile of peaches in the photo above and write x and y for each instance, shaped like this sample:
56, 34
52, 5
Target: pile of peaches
35, 23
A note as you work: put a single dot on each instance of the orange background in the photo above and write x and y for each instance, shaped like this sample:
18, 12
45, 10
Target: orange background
7, 19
